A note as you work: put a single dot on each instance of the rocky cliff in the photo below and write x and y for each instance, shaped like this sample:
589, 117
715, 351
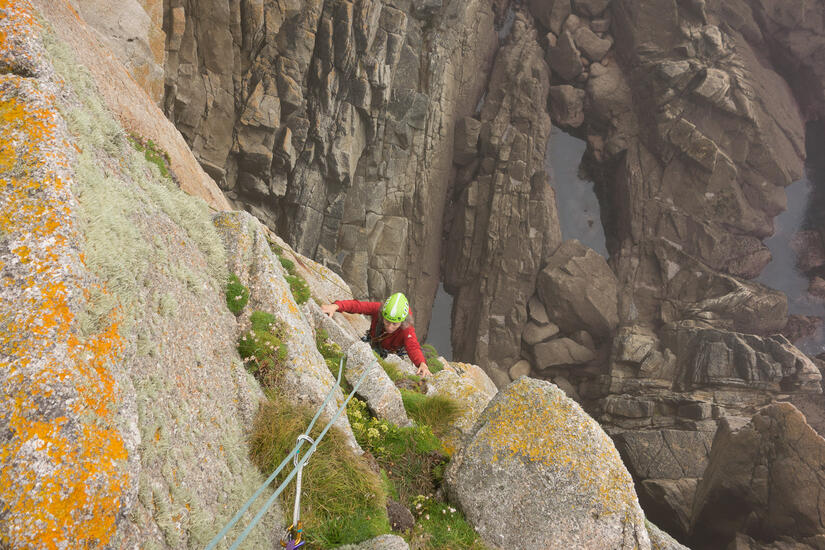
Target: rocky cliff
404, 143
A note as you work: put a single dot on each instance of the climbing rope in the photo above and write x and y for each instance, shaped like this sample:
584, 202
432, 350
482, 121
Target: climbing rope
297, 469
296, 530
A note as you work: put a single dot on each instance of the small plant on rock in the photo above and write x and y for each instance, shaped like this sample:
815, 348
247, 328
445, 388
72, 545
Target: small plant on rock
152, 153
431, 356
297, 284
332, 354
263, 348
237, 295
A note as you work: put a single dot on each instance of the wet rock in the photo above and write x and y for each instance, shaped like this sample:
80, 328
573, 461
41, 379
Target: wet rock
566, 484
578, 289
567, 105
763, 480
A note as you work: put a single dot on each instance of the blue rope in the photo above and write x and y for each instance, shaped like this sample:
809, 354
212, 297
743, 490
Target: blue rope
294, 471
295, 450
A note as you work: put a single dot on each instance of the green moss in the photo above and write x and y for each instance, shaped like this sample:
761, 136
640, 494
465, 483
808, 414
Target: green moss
297, 284
263, 348
237, 295
342, 500
153, 154
299, 288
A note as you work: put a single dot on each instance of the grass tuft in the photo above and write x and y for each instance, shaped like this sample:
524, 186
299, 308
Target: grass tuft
342, 500
439, 525
436, 411
431, 356
237, 295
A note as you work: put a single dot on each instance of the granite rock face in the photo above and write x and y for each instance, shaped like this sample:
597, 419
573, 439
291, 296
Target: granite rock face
503, 225
565, 484
333, 123
125, 407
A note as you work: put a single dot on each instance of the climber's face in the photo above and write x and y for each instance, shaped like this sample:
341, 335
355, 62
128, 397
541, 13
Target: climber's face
391, 327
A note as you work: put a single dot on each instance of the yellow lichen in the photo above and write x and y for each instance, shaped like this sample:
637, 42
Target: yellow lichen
62, 478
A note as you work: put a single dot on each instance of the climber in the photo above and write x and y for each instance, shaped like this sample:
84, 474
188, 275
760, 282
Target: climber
391, 329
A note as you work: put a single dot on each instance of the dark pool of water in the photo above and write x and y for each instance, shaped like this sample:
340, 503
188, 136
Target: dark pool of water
440, 323
805, 211
576, 199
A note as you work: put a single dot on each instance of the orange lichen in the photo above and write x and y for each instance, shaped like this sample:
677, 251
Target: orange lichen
63, 477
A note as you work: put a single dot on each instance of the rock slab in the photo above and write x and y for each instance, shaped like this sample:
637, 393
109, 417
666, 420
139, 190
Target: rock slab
537, 464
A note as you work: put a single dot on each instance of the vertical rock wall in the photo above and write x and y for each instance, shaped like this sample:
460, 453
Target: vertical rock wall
333, 122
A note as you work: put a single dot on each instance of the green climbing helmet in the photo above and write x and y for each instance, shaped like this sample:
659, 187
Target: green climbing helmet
396, 308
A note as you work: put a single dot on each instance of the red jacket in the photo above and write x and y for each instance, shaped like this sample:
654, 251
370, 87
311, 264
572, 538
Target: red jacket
404, 337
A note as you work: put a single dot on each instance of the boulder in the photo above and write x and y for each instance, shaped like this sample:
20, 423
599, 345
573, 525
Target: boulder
763, 479
377, 389
567, 105
561, 352
521, 368
564, 58
471, 388
533, 333
589, 43
536, 311
565, 484
579, 290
